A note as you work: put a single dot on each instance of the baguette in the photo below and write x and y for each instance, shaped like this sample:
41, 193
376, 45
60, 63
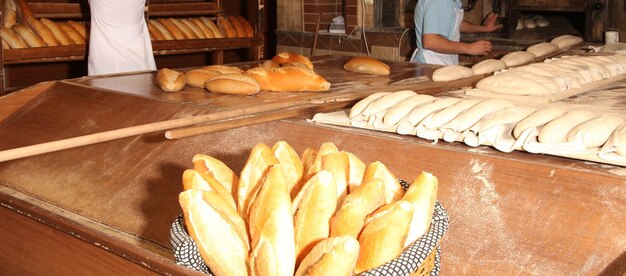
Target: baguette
286, 57
10, 18
58, 34
361, 202
308, 158
332, 256
224, 69
337, 164
355, 172
246, 26
214, 28
155, 33
167, 35
252, 174
291, 163
383, 236
209, 165
366, 65
42, 31
227, 29
237, 84
78, 27
218, 231
193, 179
171, 27
187, 32
198, 77
71, 33
12, 39
32, 39
5, 45
271, 227
234, 22
423, 194
204, 28
316, 166
313, 207
393, 190
195, 29
170, 80
288, 79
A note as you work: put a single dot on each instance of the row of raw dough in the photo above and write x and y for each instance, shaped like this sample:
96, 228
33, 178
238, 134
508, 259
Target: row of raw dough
454, 72
496, 122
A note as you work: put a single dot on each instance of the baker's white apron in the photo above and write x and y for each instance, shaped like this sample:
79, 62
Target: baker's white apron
445, 59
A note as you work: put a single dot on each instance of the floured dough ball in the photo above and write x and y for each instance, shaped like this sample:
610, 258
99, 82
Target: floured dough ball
517, 58
529, 23
452, 72
542, 49
488, 66
565, 41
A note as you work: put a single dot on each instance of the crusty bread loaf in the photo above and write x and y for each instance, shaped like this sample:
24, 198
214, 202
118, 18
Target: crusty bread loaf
42, 31
5, 45
366, 65
382, 238
291, 163
316, 166
337, 164
237, 26
193, 179
167, 35
313, 207
271, 227
227, 29
214, 28
14, 40
210, 165
198, 77
237, 84
286, 57
71, 33
80, 28
361, 202
224, 69
58, 34
331, 256
246, 26
195, 29
170, 80
307, 157
218, 231
187, 32
30, 37
171, 27
356, 170
423, 194
204, 28
288, 79
260, 160
393, 190
10, 18
155, 34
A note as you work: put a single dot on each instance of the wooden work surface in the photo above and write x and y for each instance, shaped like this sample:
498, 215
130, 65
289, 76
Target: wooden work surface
510, 213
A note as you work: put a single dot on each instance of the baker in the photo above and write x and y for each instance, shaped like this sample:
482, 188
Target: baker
119, 40
438, 27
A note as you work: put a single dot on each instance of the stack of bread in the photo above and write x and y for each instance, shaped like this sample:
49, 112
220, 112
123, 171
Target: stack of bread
322, 213
199, 28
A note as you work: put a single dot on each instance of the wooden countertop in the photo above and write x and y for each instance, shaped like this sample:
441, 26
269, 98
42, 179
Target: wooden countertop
510, 213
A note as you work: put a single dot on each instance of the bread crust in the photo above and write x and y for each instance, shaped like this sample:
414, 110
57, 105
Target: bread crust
172, 28
80, 28
286, 57
246, 26
58, 34
187, 32
217, 32
167, 35
227, 28
203, 27
32, 39
331, 256
366, 65
12, 39
71, 33
198, 77
43, 31
237, 26
237, 84
170, 80
288, 79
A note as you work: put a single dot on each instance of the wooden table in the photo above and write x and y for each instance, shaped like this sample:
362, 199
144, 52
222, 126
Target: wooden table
107, 208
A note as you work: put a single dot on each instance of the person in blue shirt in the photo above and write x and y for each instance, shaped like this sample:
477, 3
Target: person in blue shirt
438, 28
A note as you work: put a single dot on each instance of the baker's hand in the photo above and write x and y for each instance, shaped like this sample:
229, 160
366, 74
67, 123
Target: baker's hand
479, 48
490, 22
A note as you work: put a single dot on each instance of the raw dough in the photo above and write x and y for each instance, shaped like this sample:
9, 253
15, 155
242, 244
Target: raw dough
471, 116
358, 107
452, 72
505, 116
565, 41
536, 119
399, 111
517, 58
386, 102
488, 66
419, 113
596, 131
619, 140
518, 85
556, 130
444, 116
542, 49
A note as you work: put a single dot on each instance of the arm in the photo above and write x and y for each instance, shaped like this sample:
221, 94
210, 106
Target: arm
489, 25
440, 44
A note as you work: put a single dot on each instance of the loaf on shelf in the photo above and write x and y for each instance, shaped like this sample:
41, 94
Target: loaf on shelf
199, 28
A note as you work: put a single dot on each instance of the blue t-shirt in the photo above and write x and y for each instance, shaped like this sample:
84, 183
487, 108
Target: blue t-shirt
434, 17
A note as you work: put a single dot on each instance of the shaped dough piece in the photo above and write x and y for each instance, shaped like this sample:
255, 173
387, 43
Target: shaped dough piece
387, 101
505, 116
596, 131
565, 41
419, 113
452, 72
488, 66
400, 110
518, 85
470, 117
619, 140
542, 49
517, 58
556, 130
358, 108
536, 119
446, 115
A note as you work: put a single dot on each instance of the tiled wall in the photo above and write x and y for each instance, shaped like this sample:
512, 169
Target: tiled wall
289, 15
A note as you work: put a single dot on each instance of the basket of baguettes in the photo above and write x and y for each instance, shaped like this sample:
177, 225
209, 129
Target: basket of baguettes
322, 213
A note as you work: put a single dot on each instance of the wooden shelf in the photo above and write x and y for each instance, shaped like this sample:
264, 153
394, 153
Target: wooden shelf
178, 9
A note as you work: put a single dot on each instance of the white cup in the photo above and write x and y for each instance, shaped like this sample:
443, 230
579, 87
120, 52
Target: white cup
611, 37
